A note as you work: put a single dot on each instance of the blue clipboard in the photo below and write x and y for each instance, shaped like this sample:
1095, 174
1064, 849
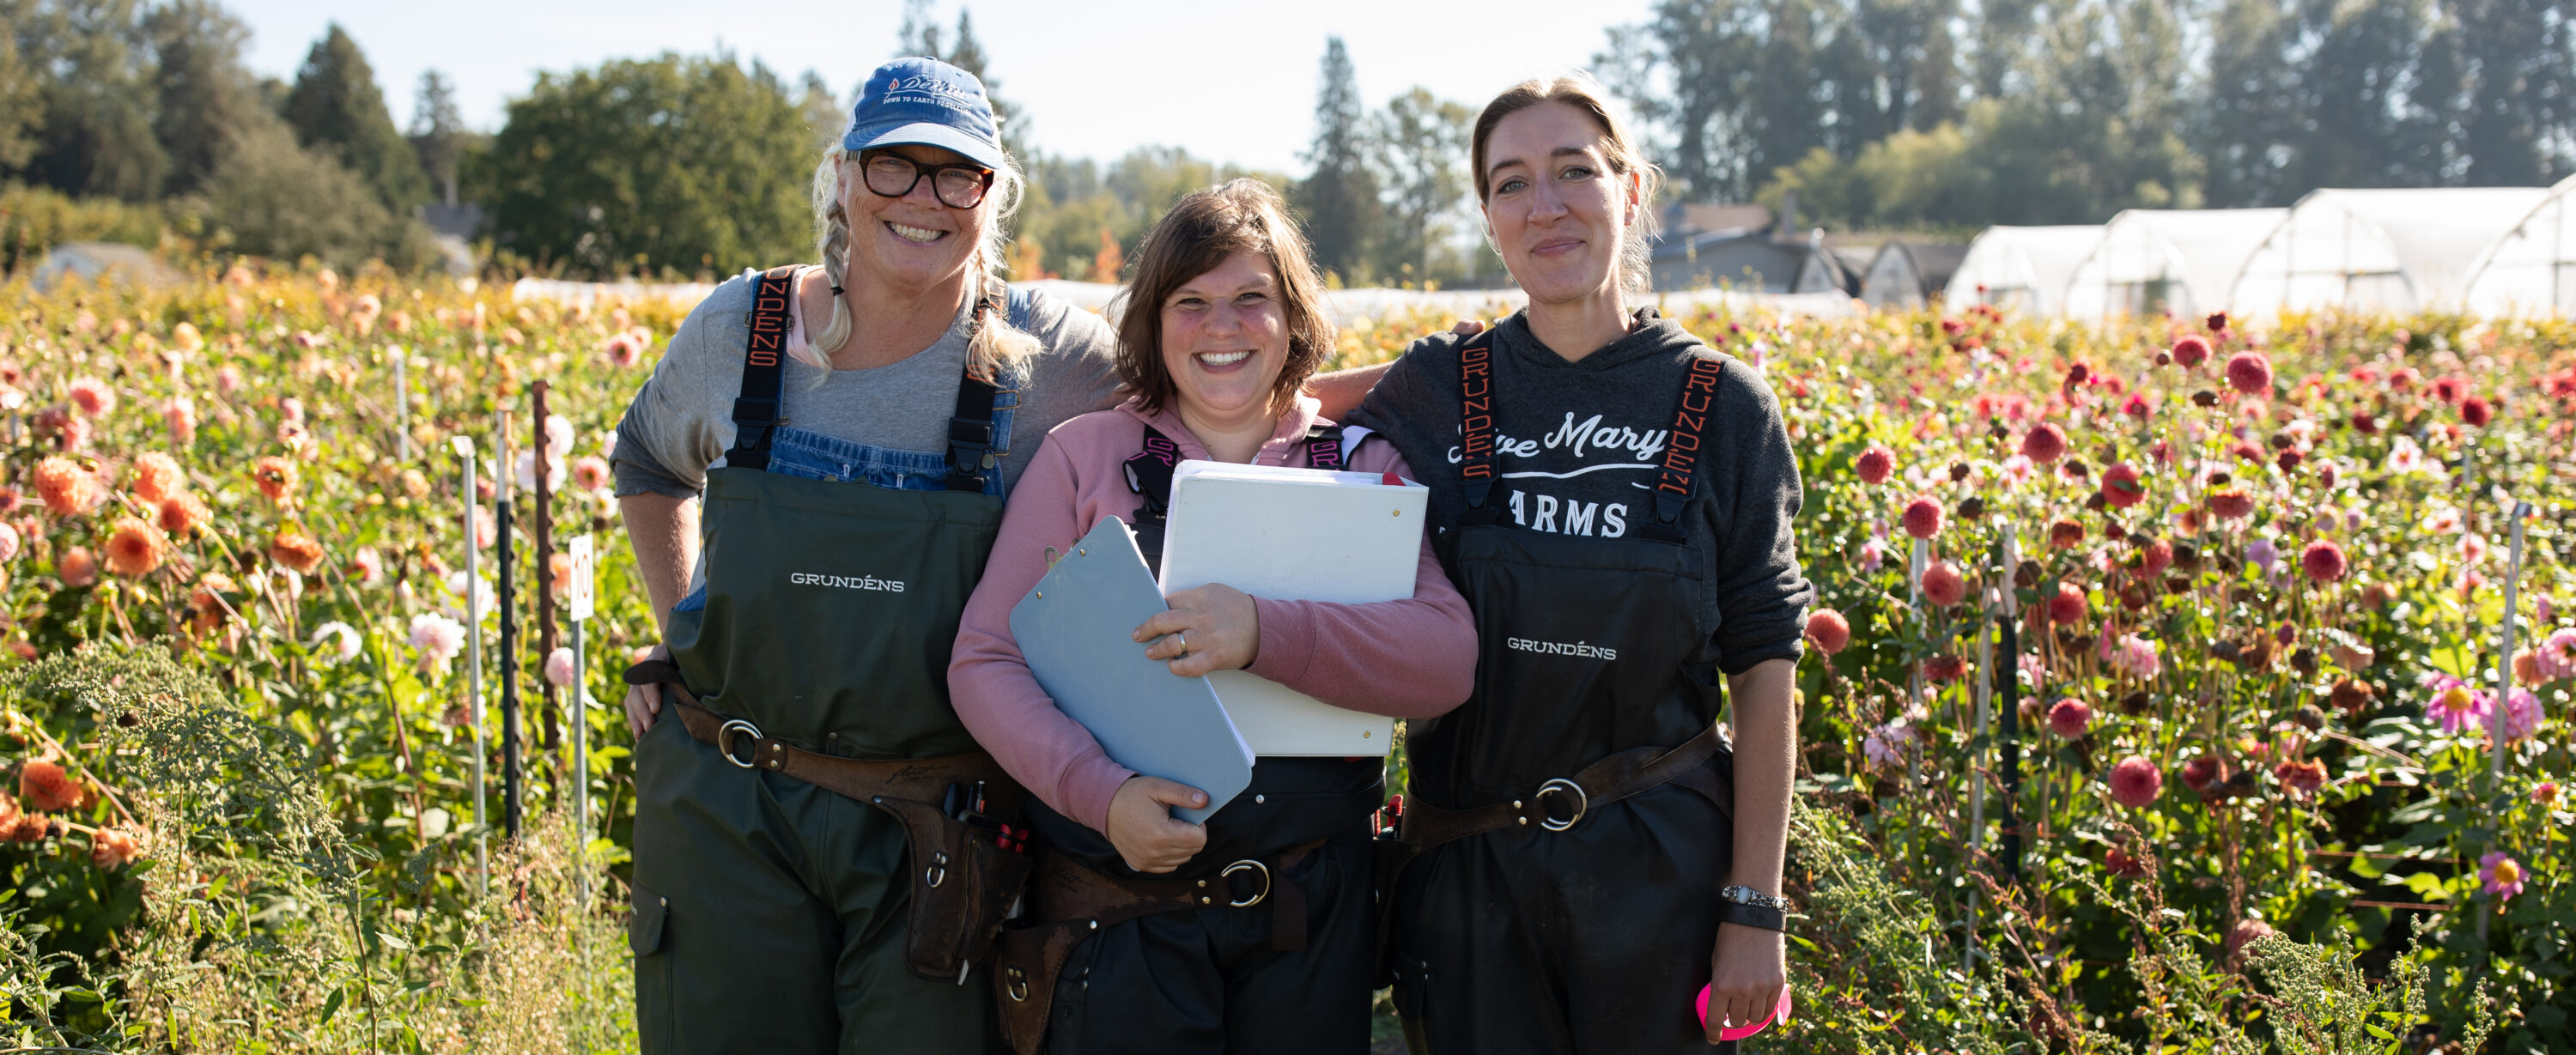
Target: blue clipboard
1074, 629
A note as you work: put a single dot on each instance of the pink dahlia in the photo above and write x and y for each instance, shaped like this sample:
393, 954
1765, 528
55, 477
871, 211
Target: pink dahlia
1829, 630
2121, 487
2457, 706
2250, 373
2191, 351
1943, 585
2136, 783
2519, 718
2070, 719
1923, 518
2067, 606
1875, 464
2044, 443
2556, 657
2323, 561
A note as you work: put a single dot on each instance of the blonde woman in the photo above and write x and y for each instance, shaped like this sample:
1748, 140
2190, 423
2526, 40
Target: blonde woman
1593, 847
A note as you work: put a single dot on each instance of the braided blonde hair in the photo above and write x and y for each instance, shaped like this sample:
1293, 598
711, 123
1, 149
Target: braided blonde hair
997, 346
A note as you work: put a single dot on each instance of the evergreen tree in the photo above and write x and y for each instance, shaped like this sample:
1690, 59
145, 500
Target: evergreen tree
438, 134
2521, 102
337, 110
205, 97
1339, 197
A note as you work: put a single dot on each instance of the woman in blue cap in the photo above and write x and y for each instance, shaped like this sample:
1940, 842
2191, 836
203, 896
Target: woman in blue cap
822, 853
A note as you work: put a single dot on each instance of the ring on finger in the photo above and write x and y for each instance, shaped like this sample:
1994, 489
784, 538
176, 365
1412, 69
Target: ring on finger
1182, 642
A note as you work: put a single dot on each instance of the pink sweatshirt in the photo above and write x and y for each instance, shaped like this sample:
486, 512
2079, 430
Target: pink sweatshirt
1413, 658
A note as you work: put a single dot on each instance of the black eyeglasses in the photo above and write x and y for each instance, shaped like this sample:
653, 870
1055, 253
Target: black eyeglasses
958, 186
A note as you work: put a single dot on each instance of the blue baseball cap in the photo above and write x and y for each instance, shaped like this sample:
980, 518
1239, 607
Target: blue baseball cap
929, 102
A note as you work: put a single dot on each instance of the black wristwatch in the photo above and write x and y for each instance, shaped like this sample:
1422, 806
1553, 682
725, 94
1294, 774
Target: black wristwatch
1746, 907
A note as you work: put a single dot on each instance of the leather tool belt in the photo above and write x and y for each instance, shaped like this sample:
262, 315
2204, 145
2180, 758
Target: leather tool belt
964, 880
1075, 902
1423, 826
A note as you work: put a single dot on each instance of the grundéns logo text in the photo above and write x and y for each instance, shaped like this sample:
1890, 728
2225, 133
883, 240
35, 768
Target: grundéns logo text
846, 582
1583, 649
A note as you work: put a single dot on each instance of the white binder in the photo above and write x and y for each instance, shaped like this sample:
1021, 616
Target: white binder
1297, 535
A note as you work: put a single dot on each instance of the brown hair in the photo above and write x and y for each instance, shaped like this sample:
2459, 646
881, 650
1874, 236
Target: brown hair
1581, 92
1201, 230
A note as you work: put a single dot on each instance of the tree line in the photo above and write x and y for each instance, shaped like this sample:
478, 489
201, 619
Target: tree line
1942, 113
1876, 113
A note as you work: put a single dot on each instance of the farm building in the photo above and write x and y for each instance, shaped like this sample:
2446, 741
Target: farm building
1745, 247
2531, 270
2379, 250
2178, 260
2021, 269
1907, 274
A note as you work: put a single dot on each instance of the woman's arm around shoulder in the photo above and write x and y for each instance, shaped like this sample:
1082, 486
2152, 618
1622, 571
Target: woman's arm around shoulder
1411, 658
988, 679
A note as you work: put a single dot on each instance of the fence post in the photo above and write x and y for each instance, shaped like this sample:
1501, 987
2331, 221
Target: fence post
512, 798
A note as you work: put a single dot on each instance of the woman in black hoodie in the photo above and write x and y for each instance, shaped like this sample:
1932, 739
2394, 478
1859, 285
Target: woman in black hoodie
1616, 501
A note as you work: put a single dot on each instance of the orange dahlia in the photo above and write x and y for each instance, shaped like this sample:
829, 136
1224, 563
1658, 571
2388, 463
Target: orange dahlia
276, 477
296, 550
135, 547
68, 488
157, 476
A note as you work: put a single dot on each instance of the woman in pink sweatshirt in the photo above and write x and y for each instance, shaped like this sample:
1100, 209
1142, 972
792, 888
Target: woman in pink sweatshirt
1223, 326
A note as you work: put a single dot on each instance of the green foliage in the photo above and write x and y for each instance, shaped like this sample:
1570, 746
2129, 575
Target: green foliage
202, 92
95, 136
36, 219
687, 162
1421, 162
270, 197
338, 111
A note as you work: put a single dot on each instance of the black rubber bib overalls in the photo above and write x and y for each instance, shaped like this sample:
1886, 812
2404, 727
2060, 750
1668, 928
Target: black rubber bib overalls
1594, 938
1217, 981
771, 913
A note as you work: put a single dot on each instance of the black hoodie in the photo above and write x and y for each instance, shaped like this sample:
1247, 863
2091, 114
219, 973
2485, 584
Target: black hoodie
1578, 447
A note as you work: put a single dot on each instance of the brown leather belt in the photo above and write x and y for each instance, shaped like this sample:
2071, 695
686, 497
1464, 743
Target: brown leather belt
1075, 903
1599, 784
866, 779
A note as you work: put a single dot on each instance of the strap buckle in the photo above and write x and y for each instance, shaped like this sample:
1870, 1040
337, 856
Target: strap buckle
724, 742
1560, 785
1248, 865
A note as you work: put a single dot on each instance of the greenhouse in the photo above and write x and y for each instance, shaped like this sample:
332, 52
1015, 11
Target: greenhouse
2177, 260
1904, 275
2531, 270
2382, 250
2022, 269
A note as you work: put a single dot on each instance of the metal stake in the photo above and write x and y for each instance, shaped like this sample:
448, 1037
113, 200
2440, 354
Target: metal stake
2504, 684
464, 447
402, 408
513, 802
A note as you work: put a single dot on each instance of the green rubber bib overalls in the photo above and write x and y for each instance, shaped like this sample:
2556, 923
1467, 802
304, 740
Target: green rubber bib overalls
774, 914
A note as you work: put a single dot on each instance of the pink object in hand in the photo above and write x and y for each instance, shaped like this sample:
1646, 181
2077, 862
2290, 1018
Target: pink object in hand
1778, 1014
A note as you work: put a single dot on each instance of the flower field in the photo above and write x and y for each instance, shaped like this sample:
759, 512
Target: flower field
2157, 697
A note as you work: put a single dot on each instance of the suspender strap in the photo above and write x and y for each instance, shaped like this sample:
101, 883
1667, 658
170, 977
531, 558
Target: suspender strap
970, 434
1149, 473
755, 411
1324, 446
1476, 417
1683, 445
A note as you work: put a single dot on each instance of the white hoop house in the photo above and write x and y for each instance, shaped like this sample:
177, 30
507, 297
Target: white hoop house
2178, 260
2385, 250
2021, 268
2531, 270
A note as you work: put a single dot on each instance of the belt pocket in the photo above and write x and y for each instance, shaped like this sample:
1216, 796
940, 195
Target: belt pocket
1027, 962
963, 885
644, 929
1412, 985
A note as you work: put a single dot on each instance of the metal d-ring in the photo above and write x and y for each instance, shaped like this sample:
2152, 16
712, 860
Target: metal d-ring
724, 742
937, 873
1582, 802
1019, 984
1252, 866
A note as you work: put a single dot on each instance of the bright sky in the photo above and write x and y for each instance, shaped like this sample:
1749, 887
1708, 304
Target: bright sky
1228, 81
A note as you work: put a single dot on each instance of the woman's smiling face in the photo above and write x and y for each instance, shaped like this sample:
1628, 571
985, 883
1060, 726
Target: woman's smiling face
1225, 339
914, 240
1558, 214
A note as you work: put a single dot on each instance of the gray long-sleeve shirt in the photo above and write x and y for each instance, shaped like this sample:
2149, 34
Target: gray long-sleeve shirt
682, 421
1579, 444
